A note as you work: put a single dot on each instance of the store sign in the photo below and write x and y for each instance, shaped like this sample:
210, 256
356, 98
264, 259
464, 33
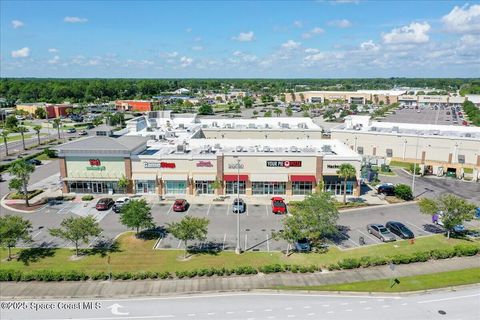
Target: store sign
284, 164
204, 164
94, 162
333, 166
236, 166
95, 165
151, 165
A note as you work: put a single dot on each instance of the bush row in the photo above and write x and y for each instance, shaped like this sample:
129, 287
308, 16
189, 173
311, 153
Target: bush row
73, 275
437, 254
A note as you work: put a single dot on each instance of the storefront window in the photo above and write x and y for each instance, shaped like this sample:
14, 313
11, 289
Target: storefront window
301, 187
204, 187
145, 186
94, 187
335, 185
175, 187
269, 187
231, 187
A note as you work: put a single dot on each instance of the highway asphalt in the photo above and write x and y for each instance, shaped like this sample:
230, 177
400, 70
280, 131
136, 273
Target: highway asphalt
458, 304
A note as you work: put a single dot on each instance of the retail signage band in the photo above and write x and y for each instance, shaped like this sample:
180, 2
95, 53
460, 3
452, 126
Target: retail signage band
333, 166
95, 165
284, 164
169, 165
204, 164
236, 166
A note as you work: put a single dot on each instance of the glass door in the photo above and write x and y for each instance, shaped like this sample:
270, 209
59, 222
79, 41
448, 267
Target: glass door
97, 187
269, 188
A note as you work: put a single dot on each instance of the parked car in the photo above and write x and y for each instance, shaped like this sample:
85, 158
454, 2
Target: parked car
399, 229
239, 206
71, 130
379, 231
35, 162
303, 245
387, 189
104, 204
90, 126
119, 203
180, 205
83, 133
437, 219
278, 205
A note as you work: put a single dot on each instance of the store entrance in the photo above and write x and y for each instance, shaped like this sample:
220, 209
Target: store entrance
268, 188
97, 187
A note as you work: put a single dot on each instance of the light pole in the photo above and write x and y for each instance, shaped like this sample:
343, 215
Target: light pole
238, 249
414, 168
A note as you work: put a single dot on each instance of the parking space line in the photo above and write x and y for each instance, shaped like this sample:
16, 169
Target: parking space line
266, 210
179, 243
368, 235
93, 241
416, 227
356, 244
208, 210
246, 241
33, 237
268, 244
224, 239
170, 209
228, 209
246, 209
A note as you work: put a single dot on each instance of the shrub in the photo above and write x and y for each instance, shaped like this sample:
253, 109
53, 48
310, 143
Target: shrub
271, 268
50, 153
73, 275
164, 275
122, 276
465, 250
404, 192
87, 197
401, 259
442, 253
333, 266
420, 257
10, 275
349, 263
417, 168
192, 273
31, 194
99, 276
180, 274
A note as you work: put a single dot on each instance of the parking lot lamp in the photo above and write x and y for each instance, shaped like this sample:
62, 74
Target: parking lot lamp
238, 249
414, 168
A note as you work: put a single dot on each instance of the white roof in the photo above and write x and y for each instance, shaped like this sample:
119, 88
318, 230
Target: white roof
475, 98
384, 92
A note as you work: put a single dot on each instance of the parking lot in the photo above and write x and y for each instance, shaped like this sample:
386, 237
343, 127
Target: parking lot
425, 116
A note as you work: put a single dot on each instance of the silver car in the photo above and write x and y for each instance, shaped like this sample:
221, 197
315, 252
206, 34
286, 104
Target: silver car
382, 233
238, 206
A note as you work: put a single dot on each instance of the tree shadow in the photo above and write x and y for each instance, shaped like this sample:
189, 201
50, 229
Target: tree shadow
102, 248
31, 255
210, 248
153, 233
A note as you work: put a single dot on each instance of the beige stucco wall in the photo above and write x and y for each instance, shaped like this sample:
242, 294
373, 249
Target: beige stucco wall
77, 167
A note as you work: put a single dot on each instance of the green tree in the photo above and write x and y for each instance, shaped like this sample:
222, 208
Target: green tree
57, 123
277, 111
247, 102
11, 122
5, 133
40, 113
267, 114
314, 218
97, 121
205, 109
346, 171
136, 214
22, 130
12, 230
123, 182
37, 129
403, 191
189, 228
455, 210
77, 230
288, 111
21, 171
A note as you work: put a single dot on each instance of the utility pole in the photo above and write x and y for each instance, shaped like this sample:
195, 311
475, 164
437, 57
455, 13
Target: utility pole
238, 249
414, 168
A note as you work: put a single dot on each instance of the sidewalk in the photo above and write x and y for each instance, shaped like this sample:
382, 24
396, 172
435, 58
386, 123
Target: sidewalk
29, 290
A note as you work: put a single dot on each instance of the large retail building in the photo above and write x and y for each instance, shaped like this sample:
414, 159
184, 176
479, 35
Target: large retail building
171, 156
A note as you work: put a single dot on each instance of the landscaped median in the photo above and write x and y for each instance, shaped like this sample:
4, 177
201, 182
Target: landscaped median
403, 284
133, 258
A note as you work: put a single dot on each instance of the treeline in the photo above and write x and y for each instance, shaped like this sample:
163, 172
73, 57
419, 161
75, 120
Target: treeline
103, 90
472, 112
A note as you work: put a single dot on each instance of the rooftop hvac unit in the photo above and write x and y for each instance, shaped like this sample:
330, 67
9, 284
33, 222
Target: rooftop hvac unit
181, 126
214, 124
228, 126
266, 149
436, 132
217, 146
180, 148
285, 126
327, 148
251, 126
302, 125
239, 148
373, 128
293, 149
468, 135
267, 126
395, 129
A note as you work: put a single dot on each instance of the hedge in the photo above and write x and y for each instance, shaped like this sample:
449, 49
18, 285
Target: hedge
31, 194
349, 263
87, 197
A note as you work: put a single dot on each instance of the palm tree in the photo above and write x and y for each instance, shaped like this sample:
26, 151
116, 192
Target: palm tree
4, 135
277, 111
21, 171
346, 171
37, 129
22, 130
57, 124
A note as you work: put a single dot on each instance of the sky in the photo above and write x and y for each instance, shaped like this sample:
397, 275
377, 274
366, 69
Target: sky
239, 39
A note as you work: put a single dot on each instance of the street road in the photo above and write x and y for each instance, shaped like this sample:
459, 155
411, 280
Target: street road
463, 304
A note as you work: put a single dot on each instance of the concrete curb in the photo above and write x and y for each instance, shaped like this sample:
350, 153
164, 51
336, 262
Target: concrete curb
4, 205
380, 206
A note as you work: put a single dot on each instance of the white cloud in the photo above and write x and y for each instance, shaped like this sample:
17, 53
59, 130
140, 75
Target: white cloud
21, 53
197, 48
17, 24
185, 61
369, 46
298, 24
311, 33
290, 44
463, 19
245, 36
188, 30
311, 50
54, 60
172, 54
315, 57
75, 19
245, 57
53, 50
343, 23
416, 32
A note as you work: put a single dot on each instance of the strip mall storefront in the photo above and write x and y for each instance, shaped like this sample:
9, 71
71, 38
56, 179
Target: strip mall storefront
251, 174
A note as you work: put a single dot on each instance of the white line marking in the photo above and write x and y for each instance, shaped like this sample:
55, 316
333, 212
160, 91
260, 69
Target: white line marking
344, 303
191, 314
356, 244
310, 314
288, 308
367, 308
224, 238
246, 241
348, 310
368, 235
228, 209
452, 298
230, 312
291, 316
411, 224
208, 211
326, 305
266, 209
267, 310
386, 306
169, 209
363, 301
179, 243
211, 313
404, 304
329, 311
268, 243
36, 234
249, 311
306, 307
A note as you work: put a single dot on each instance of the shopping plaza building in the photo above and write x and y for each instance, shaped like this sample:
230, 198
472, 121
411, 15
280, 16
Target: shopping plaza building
181, 155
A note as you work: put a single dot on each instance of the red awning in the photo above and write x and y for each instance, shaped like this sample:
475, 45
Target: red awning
234, 177
298, 178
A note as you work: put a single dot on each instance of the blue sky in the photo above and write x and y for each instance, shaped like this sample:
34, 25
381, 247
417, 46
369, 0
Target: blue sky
261, 39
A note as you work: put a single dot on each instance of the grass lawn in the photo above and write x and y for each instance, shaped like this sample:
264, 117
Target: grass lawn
43, 157
401, 164
27, 136
137, 255
413, 283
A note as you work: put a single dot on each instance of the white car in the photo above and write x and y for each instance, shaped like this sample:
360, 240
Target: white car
119, 203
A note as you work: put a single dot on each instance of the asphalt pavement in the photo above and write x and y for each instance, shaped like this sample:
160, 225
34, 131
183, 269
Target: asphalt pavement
456, 304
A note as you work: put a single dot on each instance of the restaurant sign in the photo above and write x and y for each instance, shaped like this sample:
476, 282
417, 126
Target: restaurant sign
333, 166
150, 165
284, 164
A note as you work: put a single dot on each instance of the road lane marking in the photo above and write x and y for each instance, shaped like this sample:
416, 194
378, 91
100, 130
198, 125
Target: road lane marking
211, 313
367, 308
288, 308
249, 311
344, 303
224, 238
208, 211
452, 298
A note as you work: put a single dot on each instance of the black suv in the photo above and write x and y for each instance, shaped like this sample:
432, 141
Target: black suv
386, 189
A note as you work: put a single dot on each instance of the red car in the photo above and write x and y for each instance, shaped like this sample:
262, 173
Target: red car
180, 205
278, 205
104, 204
